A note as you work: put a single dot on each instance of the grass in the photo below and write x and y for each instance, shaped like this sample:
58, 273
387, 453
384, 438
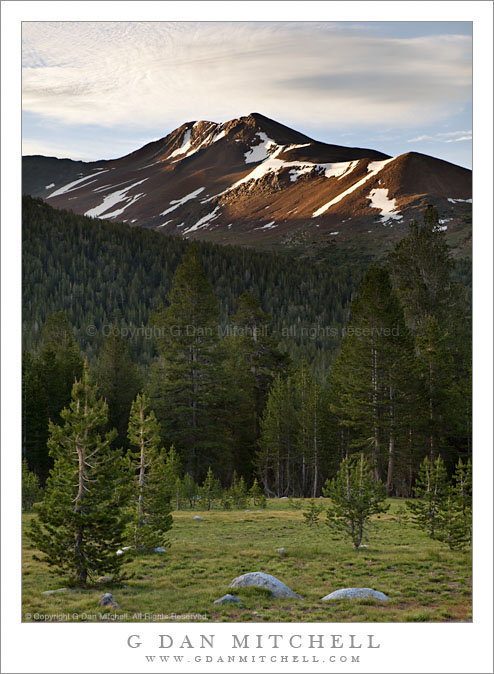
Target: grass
426, 582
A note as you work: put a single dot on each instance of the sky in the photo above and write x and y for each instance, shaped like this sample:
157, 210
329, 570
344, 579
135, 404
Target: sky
99, 90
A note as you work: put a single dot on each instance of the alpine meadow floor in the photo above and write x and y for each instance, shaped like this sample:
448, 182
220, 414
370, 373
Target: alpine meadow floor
425, 581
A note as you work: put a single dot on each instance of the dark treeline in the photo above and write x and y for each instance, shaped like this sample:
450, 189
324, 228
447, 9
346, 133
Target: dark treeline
228, 393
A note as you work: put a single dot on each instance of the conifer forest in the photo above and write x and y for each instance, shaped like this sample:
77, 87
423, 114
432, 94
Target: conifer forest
266, 367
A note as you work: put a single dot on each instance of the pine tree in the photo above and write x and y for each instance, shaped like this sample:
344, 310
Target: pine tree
251, 326
34, 417
210, 490
31, 490
238, 494
437, 311
257, 495
60, 362
436, 369
189, 386
372, 380
173, 481
47, 383
355, 497
152, 512
119, 382
421, 268
462, 494
312, 512
189, 490
81, 521
454, 525
277, 442
430, 491
312, 446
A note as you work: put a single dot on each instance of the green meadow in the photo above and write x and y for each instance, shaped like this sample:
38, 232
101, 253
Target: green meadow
425, 581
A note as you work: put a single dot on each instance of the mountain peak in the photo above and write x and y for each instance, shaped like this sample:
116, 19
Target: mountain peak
254, 181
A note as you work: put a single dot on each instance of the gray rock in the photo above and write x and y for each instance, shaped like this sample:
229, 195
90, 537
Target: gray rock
264, 580
196, 517
158, 549
281, 550
356, 593
60, 589
104, 579
107, 600
228, 599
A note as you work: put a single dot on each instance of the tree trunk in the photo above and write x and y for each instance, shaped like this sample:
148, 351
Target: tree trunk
389, 479
432, 448
81, 569
80, 447
377, 472
316, 457
142, 479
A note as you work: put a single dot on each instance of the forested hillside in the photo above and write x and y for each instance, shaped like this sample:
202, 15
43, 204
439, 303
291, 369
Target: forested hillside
109, 274
256, 364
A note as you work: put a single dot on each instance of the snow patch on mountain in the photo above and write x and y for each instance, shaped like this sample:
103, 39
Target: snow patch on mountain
74, 185
372, 169
218, 136
260, 152
112, 200
183, 200
268, 225
379, 199
351, 166
456, 201
48, 187
273, 165
119, 211
295, 147
203, 222
185, 147
188, 148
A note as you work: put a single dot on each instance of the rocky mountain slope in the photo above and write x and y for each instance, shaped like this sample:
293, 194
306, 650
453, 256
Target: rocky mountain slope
253, 181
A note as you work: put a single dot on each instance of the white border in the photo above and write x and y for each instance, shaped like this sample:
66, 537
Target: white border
89, 647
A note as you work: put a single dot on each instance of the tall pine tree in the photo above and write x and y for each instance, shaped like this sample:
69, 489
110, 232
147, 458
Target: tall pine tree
119, 382
372, 379
48, 378
152, 508
81, 521
188, 384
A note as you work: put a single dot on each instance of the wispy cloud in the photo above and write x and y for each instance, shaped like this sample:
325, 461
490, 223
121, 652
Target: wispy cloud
456, 140
443, 137
419, 139
149, 74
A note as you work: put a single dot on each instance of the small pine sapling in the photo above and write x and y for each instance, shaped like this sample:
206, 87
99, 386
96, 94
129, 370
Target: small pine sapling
210, 490
430, 490
355, 497
455, 517
189, 490
31, 489
312, 512
257, 495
